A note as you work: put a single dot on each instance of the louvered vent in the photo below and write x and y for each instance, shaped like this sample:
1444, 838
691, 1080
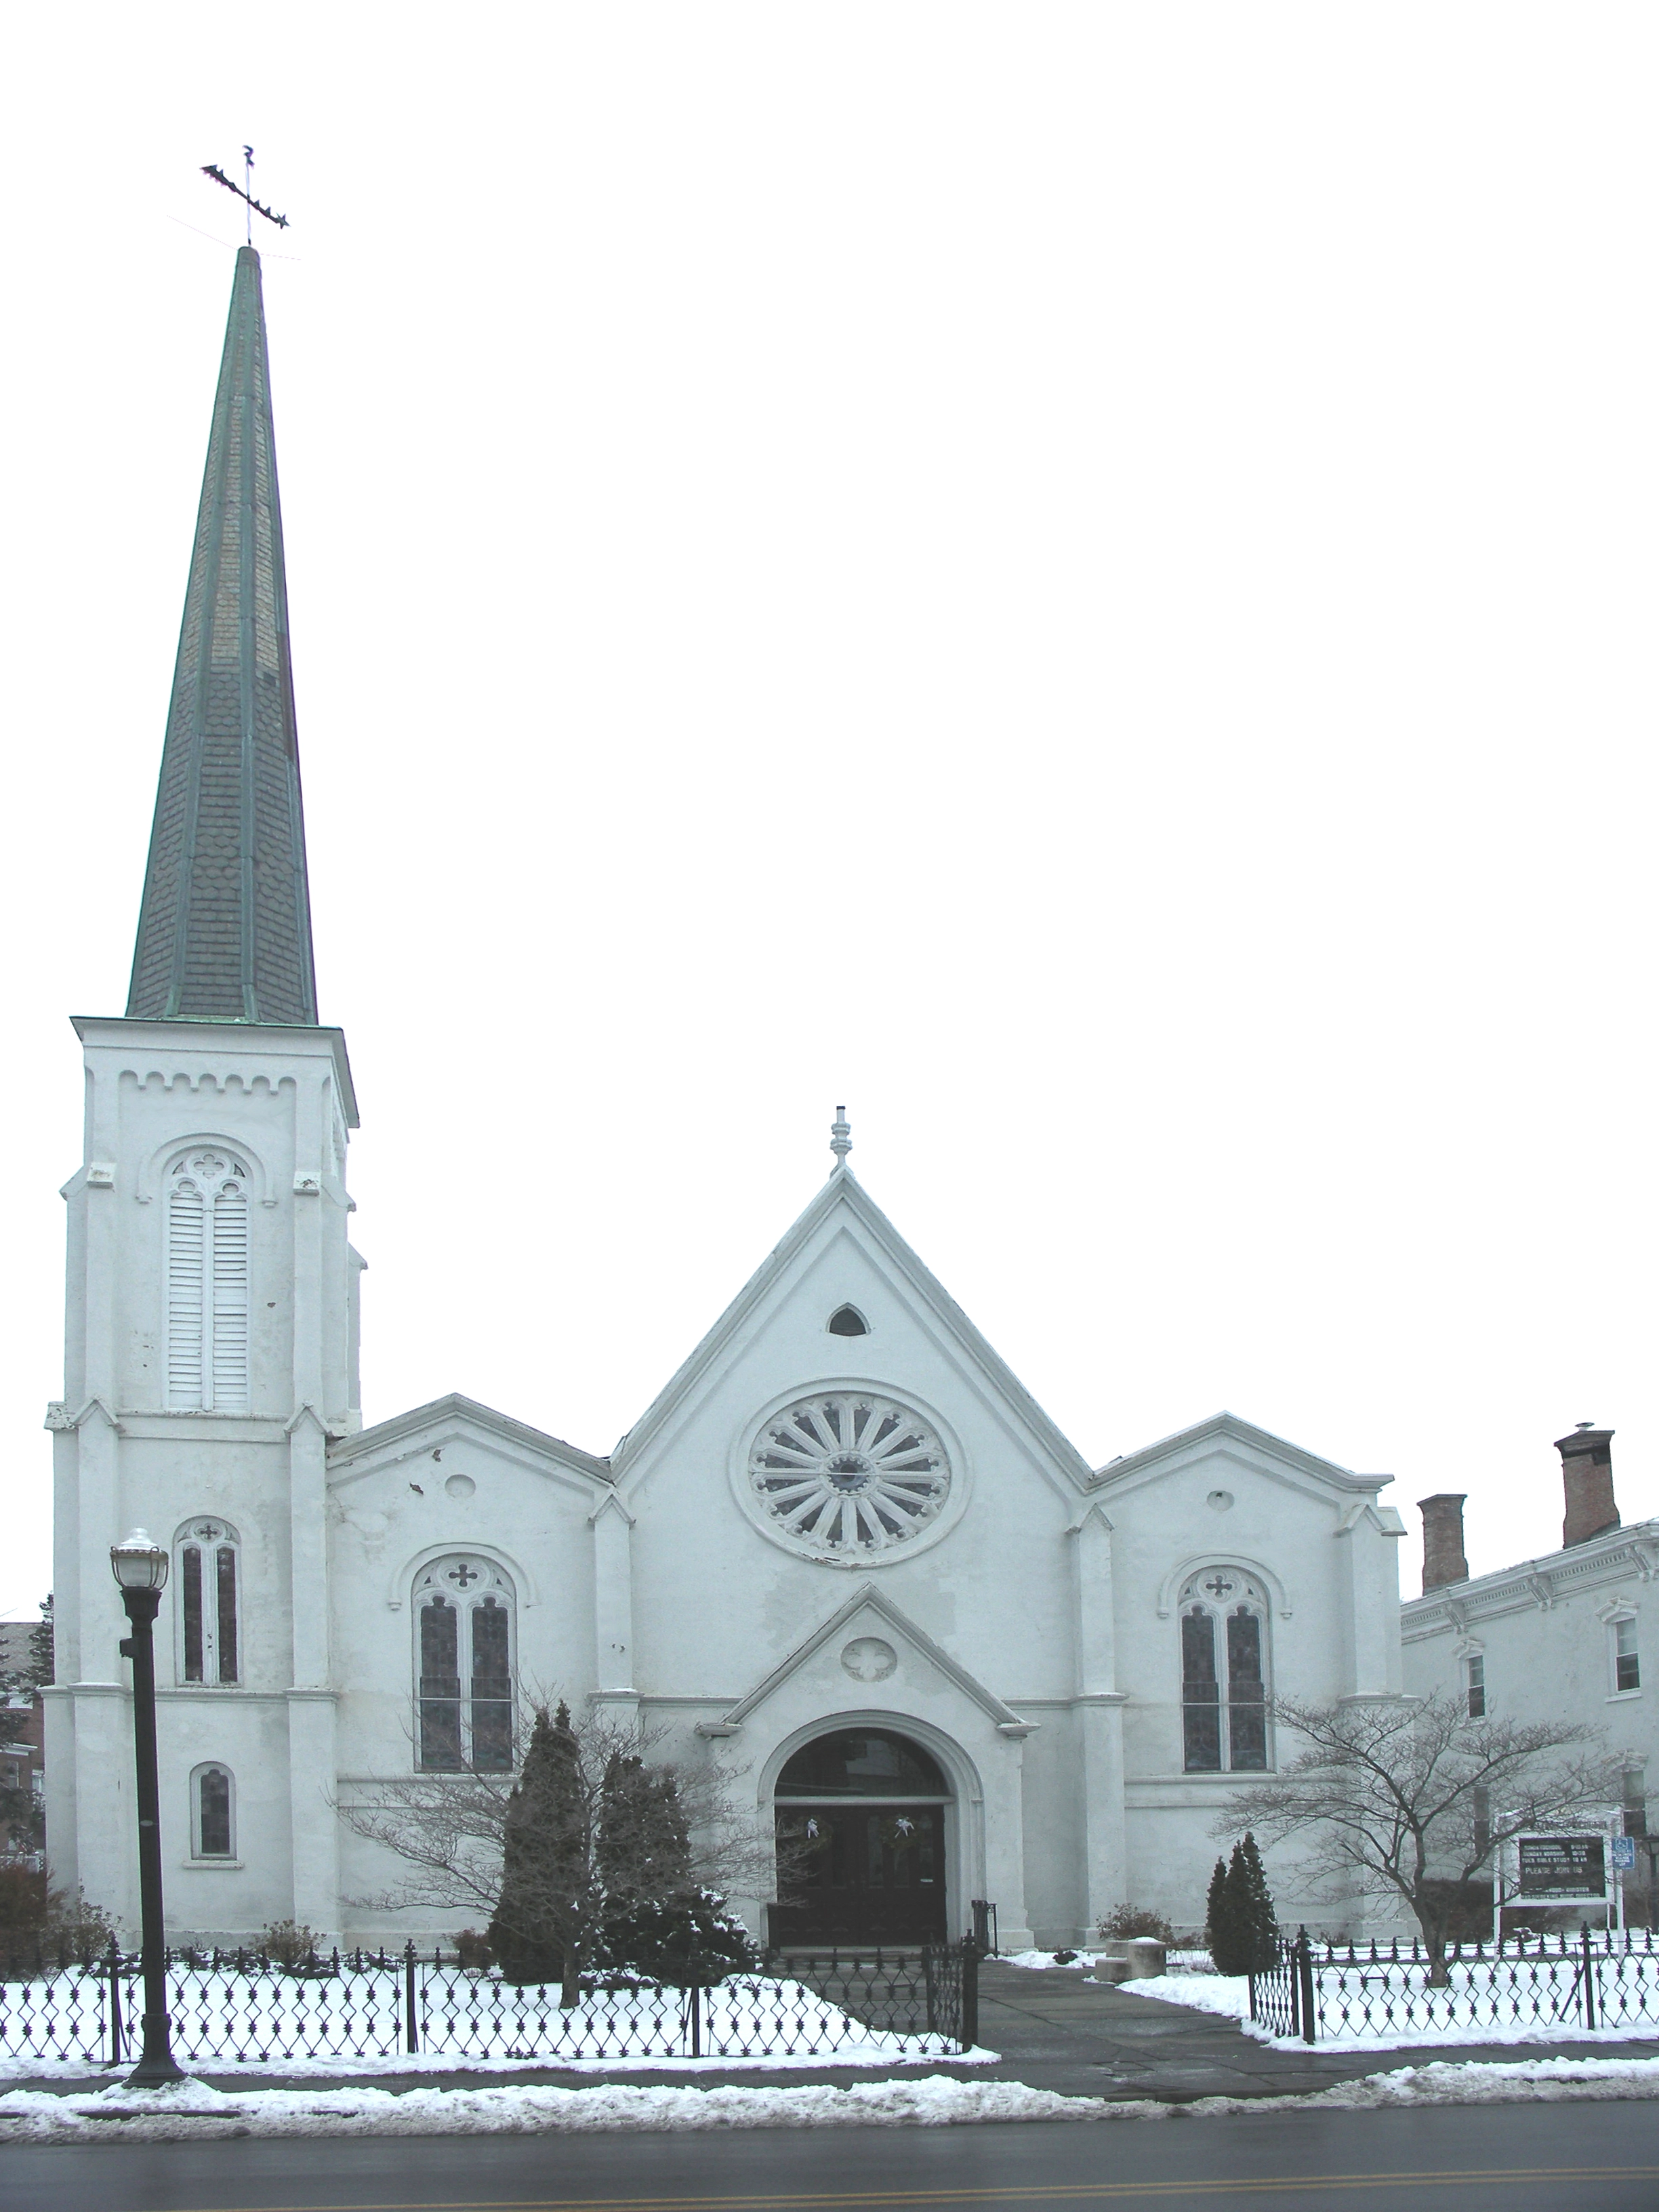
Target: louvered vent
207, 1283
187, 1247
229, 1335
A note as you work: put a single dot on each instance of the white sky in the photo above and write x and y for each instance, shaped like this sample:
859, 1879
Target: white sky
1078, 578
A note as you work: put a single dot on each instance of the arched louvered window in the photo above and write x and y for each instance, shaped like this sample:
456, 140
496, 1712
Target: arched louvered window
209, 1602
1223, 1698
207, 1230
463, 1666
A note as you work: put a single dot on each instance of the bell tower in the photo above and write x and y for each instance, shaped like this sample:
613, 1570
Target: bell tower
211, 1330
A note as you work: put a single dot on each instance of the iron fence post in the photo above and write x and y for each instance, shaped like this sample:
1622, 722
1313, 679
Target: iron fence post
1304, 1976
1589, 1980
694, 2008
969, 2021
411, 2029
117, 2041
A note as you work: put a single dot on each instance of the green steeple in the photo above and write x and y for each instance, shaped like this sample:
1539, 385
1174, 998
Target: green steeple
224, 933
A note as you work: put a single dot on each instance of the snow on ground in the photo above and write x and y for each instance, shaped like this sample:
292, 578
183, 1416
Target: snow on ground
123, 2115
195, 2111
1081, 1959
1229, 1994
892, 2051
1179, 1962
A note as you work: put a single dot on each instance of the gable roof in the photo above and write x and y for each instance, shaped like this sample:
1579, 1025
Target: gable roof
869, 1599
844, 1193
1228, 1428
417, 1427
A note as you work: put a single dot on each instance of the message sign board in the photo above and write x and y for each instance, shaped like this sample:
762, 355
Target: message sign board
1560, 1870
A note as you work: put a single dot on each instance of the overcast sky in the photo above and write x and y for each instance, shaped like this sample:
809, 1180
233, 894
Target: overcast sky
1078, 578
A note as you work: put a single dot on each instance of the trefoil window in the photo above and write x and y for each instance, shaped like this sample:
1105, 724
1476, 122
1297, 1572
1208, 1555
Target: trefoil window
464, 1667
207, 1282
210, 1612
1223, 1699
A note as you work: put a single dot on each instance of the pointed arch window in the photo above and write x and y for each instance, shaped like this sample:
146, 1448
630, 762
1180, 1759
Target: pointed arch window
464, 1628
209, 1602
207, 1281
1223, 1699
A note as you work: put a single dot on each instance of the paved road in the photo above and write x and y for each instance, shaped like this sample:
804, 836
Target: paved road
1521, 2158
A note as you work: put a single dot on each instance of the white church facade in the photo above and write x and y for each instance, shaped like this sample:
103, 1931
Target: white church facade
844, 1551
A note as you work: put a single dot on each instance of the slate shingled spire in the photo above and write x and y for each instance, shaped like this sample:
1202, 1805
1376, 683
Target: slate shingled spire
224, 933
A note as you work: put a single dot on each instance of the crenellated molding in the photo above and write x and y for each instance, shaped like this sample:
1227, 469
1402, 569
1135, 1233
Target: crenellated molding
213, 1059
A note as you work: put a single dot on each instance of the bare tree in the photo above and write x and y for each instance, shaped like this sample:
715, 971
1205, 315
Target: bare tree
592, 1837
1409, 1797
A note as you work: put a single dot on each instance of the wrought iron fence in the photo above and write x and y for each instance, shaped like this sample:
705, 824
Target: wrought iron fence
242, 2008
932, 1993
1593, 1979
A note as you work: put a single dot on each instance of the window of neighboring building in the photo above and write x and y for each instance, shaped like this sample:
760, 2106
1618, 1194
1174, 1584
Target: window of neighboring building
1627, 1660
1223, 1706
207, 1281
1481, 1797
209, 1623
1634, 1793
464, 1609
1475, 1684
211, 1828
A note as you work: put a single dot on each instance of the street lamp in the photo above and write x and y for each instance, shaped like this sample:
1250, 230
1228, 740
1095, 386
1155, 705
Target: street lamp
140, 1565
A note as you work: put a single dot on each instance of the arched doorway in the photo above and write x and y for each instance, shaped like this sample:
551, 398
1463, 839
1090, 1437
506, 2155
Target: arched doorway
861, 1824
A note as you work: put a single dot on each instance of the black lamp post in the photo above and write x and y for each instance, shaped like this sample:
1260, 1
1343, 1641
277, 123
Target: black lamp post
140, 1565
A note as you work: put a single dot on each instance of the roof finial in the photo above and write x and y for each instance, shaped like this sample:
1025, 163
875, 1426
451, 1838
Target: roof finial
244, 192
841, 1136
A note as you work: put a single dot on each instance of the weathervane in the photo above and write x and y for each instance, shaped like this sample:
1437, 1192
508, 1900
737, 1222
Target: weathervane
841, 1136
244, 192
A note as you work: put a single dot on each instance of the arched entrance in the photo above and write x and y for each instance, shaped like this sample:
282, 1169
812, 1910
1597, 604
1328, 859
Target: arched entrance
861, 1825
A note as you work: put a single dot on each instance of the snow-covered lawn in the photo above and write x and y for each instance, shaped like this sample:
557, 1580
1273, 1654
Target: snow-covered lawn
122, 2115
1460, 2015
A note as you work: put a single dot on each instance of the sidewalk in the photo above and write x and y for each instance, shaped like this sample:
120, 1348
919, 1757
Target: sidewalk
1055, 2030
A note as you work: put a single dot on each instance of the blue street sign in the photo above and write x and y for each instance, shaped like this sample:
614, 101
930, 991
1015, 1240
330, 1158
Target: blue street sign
1624, 1854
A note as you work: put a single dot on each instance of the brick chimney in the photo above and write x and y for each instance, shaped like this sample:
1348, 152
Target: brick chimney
1587, 1472
1442, 1540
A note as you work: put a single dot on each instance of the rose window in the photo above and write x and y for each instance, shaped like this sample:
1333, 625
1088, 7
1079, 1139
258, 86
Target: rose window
848, 1473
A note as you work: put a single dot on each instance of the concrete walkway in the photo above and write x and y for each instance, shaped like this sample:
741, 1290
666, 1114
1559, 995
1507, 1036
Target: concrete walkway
1054, 2029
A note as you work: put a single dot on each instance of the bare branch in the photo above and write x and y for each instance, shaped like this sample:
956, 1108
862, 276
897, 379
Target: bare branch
1410, 1797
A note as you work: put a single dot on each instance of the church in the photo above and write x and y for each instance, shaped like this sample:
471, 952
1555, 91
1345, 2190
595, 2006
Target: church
844, 1553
